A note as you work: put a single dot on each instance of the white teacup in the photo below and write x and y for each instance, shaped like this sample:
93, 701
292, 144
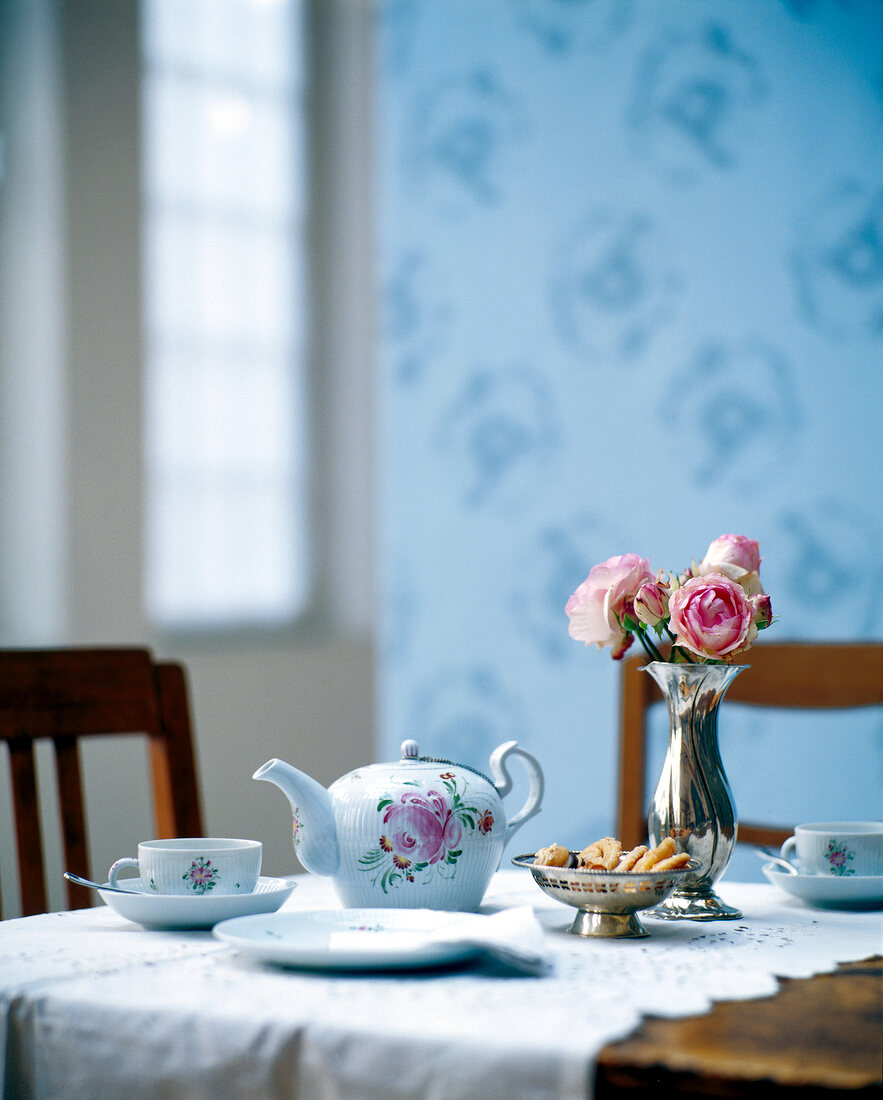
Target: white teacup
195, 865
837, 848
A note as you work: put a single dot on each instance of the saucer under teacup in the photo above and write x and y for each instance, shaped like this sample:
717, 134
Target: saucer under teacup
829, 891
134, 902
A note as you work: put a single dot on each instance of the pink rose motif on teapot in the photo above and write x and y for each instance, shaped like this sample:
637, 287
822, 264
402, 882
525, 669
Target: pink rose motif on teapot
421, 835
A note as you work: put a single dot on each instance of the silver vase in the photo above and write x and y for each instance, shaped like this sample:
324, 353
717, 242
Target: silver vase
693, 802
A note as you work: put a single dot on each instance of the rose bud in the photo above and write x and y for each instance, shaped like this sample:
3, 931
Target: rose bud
651, 603
763, 611
621, 645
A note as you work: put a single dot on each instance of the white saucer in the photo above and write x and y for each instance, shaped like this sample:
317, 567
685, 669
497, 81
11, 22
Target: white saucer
170, 911
829, 891
347, 939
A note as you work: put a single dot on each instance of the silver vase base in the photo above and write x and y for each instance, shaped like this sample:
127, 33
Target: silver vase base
704, 906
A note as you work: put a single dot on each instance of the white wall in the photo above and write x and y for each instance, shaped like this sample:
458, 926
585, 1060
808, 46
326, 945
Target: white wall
70, 513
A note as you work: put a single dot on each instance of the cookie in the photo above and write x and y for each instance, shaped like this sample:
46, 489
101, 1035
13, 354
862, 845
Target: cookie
603, 855
664, 850
554, 856
629, 859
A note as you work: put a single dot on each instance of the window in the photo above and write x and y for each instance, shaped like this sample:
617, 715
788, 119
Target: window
223, 176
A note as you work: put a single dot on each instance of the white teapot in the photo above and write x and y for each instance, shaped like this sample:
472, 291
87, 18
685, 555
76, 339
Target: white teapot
418, 833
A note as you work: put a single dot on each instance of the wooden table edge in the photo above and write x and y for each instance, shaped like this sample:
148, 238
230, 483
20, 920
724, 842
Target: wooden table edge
817, 1036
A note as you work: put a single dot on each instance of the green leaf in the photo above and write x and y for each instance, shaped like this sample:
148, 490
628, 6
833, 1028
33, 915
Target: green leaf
390, 878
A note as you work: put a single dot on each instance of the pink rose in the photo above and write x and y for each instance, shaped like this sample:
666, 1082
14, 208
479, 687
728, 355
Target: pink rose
734, 550
651, 603
422, 827
608, 592
712, 617
736, 557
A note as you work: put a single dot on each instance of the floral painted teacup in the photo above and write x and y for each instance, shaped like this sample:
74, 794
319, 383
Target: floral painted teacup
842, 848
195, 866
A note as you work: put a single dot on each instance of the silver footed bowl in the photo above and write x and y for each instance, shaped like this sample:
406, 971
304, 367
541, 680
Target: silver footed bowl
608, 902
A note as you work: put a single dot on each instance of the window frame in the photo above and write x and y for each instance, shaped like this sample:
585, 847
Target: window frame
103, 384
182, 349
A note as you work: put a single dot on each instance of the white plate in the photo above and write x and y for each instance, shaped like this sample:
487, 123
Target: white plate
830, 891
194, 911
347, 939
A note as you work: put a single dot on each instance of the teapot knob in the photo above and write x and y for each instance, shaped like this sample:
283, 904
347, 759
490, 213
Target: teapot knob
410, 751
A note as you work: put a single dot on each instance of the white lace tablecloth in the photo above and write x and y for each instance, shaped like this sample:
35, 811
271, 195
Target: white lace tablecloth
94, 1006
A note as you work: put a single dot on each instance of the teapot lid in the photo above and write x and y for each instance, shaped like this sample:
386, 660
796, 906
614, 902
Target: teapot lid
411, 753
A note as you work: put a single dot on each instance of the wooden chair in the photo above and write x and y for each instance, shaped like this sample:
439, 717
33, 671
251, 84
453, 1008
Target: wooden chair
798, 675
65, 694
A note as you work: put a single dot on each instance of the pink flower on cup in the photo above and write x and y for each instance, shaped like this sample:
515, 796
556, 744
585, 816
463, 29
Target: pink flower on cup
736, 557
422, 828
597, 607
712, 617
202, 875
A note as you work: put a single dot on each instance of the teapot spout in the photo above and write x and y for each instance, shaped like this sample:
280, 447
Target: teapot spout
314, 832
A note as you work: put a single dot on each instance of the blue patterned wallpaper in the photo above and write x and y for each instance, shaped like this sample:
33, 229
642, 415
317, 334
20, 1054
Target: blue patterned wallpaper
631, 255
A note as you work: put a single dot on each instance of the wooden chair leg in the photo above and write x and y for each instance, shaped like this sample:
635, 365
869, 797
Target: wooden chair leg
73, 822
28, 834
632, 820
176, 794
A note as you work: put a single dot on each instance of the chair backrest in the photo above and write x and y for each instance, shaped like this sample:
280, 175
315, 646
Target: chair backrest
800, 675
62, 695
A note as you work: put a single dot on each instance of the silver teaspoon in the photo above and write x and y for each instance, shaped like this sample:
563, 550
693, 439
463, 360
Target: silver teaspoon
770, 854
95, 885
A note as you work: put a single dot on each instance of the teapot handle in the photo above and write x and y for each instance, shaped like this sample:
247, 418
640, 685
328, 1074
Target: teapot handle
503, 783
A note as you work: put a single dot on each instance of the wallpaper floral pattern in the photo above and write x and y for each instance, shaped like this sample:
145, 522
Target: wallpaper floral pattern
631, 255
